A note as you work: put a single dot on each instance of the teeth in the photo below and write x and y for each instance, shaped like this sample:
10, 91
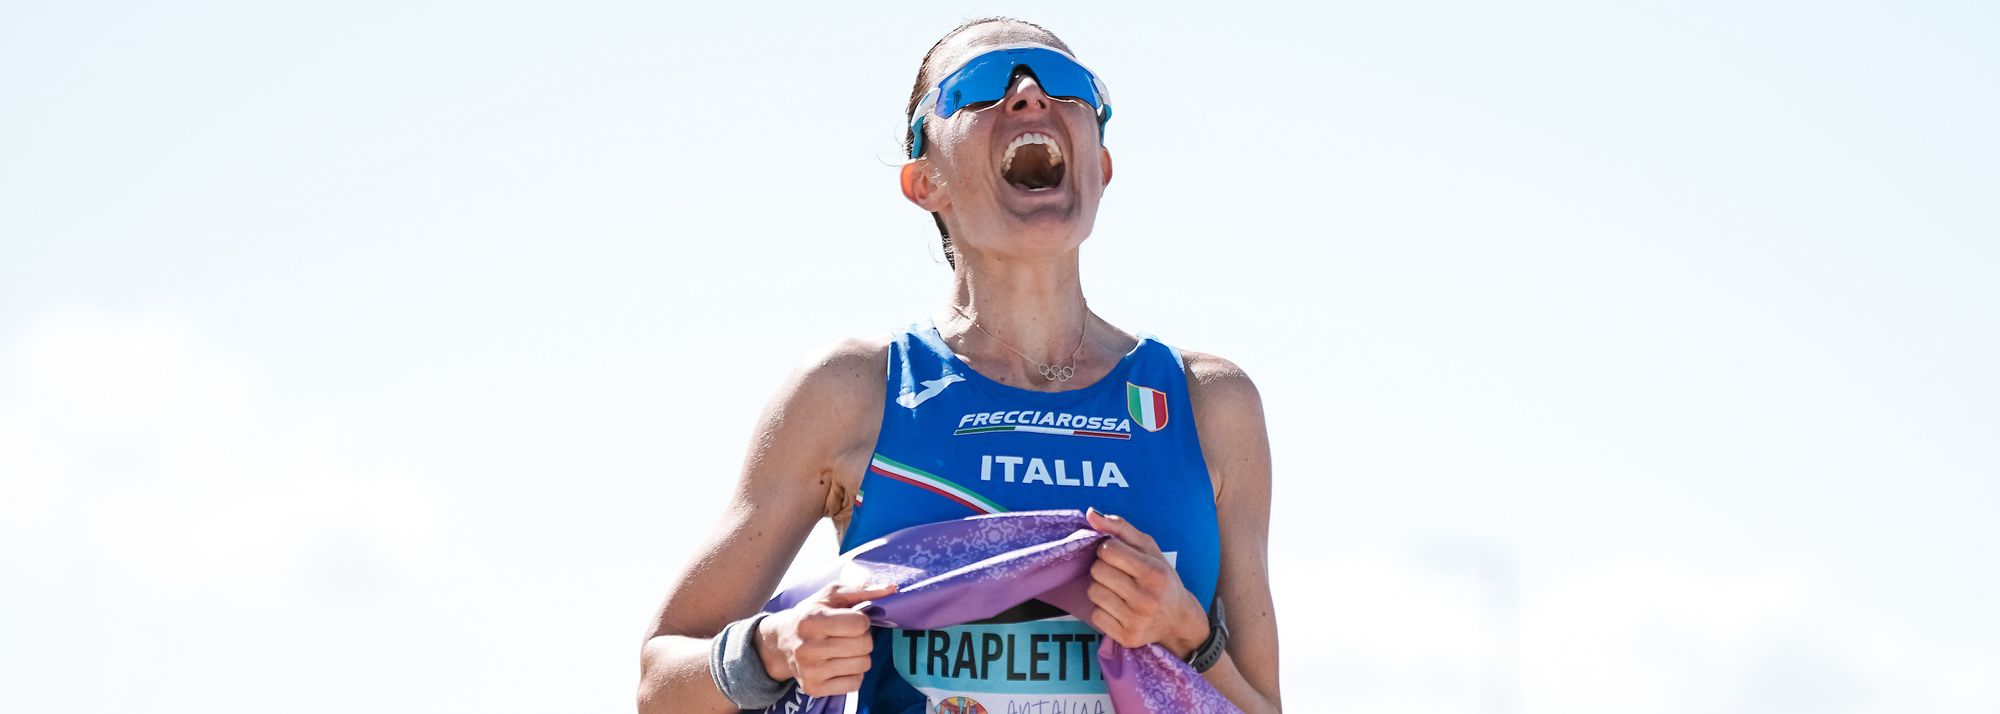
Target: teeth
1055, 152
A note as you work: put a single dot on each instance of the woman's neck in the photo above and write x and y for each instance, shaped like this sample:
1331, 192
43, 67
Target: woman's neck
1036, 308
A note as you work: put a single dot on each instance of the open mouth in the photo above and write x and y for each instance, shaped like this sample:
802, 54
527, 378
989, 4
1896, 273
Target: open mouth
1033, 163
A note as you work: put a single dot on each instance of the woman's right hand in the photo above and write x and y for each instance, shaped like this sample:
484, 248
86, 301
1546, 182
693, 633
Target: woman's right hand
823, 641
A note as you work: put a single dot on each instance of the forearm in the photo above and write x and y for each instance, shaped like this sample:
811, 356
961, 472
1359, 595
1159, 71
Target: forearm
1230, 682
674, 677
1190, 634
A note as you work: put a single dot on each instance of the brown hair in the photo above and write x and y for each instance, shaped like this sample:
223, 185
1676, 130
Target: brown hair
923, 85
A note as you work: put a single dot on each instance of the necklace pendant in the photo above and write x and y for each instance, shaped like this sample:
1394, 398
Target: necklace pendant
1056, 373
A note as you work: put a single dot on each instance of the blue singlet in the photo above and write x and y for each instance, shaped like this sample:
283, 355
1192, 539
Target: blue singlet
954, 444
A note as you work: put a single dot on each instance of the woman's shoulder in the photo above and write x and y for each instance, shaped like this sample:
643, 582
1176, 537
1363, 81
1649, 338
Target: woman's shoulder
1208, 371
846, 369
1221, 390
830, 405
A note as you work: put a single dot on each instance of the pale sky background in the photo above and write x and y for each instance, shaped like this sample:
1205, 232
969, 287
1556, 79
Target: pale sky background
1618, 357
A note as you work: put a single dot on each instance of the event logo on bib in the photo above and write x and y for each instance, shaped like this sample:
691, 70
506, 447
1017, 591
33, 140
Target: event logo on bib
960, 705
1147, 405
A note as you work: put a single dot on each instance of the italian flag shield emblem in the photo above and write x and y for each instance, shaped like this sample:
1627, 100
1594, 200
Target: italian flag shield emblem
1148, 406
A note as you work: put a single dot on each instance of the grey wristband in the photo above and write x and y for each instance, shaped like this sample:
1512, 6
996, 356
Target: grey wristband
739, 671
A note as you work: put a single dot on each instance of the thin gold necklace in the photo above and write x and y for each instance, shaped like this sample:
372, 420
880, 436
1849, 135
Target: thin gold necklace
1051, 372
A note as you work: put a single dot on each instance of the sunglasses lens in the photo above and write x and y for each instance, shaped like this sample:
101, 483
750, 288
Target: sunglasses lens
984, 79
1067, 80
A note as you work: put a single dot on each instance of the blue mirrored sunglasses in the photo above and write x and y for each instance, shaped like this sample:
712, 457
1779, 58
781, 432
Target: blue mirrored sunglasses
987, 77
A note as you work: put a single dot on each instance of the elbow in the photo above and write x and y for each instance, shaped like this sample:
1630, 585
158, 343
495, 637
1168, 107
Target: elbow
648, 699
652, 700
651, 686
657, 676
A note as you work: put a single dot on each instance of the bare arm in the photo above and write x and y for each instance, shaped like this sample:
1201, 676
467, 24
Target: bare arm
1238, 451
1138, 598
788, 482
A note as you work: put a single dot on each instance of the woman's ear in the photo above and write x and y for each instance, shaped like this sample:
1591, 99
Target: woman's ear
921, 188
1107, 165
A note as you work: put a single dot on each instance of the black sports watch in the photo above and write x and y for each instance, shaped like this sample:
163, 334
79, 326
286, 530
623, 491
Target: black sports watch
1210, 651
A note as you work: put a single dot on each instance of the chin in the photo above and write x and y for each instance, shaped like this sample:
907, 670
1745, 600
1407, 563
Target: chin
1047, 233
1062, 212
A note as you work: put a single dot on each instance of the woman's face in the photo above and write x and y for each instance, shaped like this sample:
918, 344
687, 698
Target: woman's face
1017, 178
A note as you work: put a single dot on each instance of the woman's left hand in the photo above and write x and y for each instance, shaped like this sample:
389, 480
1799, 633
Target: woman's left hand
1139, 597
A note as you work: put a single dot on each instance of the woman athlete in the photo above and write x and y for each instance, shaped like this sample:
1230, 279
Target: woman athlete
1015, 396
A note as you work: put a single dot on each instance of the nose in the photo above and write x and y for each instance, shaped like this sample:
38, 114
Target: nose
1024, 94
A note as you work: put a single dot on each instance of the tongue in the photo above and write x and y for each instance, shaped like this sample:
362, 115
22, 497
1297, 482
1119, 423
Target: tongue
1028, 186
